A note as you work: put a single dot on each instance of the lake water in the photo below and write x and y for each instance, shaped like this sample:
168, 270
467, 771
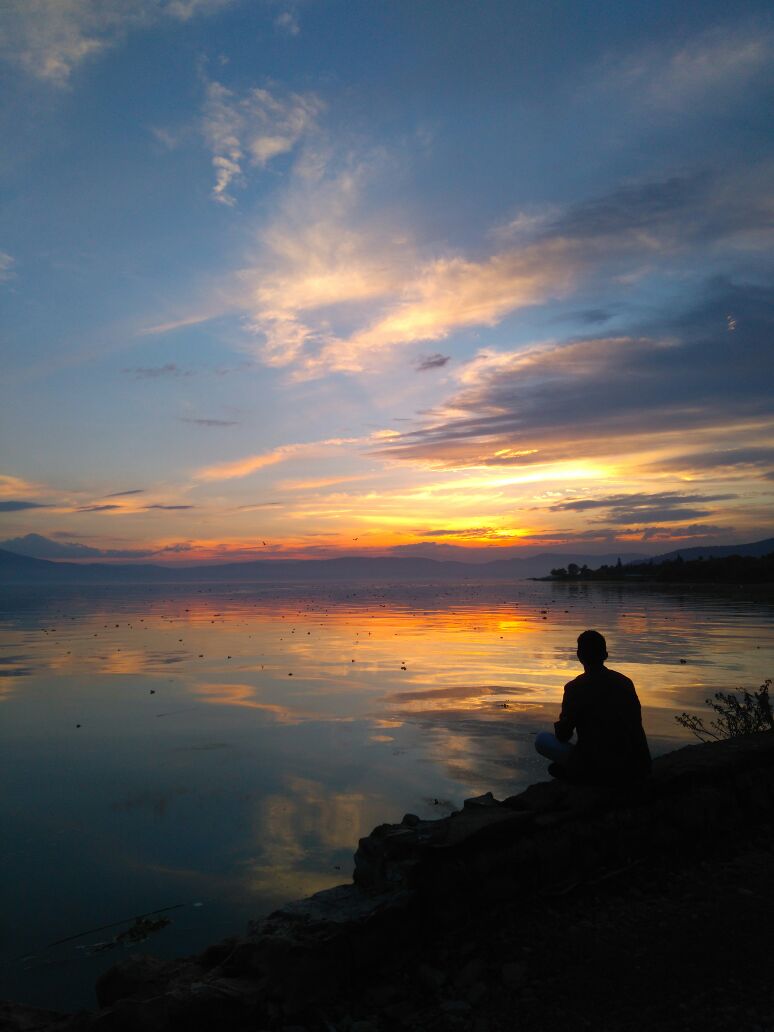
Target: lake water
220, 750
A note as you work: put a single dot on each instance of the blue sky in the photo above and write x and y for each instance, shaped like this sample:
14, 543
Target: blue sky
396, 278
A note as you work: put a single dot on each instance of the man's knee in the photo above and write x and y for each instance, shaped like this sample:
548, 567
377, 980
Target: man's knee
545, 744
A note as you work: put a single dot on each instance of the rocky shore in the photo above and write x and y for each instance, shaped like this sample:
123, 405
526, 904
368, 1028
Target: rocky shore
561, 906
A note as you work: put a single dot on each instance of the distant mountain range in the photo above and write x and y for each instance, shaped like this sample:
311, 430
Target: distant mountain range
756, 549
15, 568
21, 569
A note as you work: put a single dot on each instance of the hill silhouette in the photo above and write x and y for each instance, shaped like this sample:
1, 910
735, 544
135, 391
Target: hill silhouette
16, 568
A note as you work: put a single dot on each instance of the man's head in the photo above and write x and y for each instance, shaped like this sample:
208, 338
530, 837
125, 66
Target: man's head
592, 649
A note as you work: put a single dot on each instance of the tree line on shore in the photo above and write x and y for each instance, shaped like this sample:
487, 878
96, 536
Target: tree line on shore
732, 569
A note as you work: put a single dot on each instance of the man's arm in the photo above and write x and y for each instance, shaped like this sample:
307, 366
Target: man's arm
565, 725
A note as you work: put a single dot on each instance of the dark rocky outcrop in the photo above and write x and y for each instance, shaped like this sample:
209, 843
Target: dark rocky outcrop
421, 873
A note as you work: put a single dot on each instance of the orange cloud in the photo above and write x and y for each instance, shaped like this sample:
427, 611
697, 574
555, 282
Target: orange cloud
252, 463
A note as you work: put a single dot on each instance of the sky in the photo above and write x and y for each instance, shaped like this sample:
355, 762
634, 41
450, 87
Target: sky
302, 278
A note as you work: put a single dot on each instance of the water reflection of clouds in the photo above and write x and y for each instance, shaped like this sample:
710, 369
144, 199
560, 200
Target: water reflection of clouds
299, 834
467, 697
12, 669
123, 661
157, 803
16, 666
289, 771
248, 696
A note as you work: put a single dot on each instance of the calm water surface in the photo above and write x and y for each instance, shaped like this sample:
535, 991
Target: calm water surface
219, 750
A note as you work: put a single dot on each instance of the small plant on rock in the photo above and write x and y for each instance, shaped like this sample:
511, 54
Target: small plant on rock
735, 715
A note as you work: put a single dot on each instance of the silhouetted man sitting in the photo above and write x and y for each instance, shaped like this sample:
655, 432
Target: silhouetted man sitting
602, 706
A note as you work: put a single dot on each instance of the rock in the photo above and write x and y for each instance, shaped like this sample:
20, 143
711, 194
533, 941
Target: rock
430, 977
417, 877
471, 972
380, 995
400, 1013
138, 977
460, 1007
476, 993
487, 799
16, 1017
513, 974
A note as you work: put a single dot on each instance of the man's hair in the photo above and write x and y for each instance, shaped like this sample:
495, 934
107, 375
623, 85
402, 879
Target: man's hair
592, 647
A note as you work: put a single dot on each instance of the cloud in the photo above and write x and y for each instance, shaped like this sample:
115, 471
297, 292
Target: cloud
19, 505
12, 487
209, 422
155, 372
636, 501
690, 532
335, 290
287, 21
182, 323
253, 128
7, 263
324, 256
605, 395
122, 494
49, 39
714, 67
726, 463
259, 505
473, 532
247, 695
252, 463
99, 508
40, 547
435, 361
184, 10
453, 293
169, 507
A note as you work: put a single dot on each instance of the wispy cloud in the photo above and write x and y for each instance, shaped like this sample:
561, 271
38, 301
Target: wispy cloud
253, 463
714, 68
335, 291
728, 462
209, 422
13, 487
181, 323
287, 22
122, 494
7, 270
184, 10
636, 501
251, 130
631, 509
321, 255
157, 505
436, 361
591, 397
19, 505
156, 372
50, 38
99, 508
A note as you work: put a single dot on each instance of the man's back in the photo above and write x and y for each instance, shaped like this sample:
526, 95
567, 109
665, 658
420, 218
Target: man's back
602, 706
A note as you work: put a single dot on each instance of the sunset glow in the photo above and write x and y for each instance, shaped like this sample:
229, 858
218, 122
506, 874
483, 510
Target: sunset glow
283, 280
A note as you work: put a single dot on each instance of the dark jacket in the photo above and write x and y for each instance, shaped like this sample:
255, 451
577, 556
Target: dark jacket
602, 706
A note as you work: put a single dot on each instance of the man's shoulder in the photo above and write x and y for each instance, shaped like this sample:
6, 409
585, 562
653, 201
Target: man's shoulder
599, 678
619, 678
